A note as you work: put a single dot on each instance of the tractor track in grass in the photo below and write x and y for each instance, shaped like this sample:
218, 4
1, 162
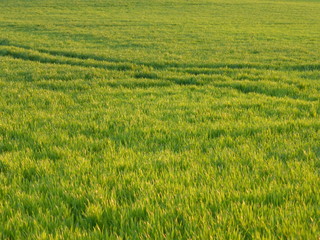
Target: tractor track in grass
47, 56
137, 70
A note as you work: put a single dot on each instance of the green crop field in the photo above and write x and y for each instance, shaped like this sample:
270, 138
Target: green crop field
160, 119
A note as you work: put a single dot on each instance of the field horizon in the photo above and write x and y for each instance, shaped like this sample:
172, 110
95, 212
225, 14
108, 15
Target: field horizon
162, 119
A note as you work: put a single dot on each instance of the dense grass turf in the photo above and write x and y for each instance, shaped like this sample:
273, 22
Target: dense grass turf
158, 119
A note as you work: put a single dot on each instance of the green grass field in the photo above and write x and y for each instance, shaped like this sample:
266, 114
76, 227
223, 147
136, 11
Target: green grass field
159, 119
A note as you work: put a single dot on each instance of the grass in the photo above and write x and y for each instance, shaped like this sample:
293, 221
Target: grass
159, 119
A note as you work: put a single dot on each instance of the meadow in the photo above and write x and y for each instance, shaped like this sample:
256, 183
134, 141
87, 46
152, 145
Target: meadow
160, 119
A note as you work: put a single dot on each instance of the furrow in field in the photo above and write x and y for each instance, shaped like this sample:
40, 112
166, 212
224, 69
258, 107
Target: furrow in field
267, 88
59, 53
36, 56
166, 78
195, 69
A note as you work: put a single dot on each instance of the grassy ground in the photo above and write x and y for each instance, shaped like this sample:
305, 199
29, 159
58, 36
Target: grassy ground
159, 119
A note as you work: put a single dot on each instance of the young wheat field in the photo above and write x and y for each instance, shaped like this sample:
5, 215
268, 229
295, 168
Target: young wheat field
160, 119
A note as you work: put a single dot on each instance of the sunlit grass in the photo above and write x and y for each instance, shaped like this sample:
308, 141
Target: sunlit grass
159, 119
